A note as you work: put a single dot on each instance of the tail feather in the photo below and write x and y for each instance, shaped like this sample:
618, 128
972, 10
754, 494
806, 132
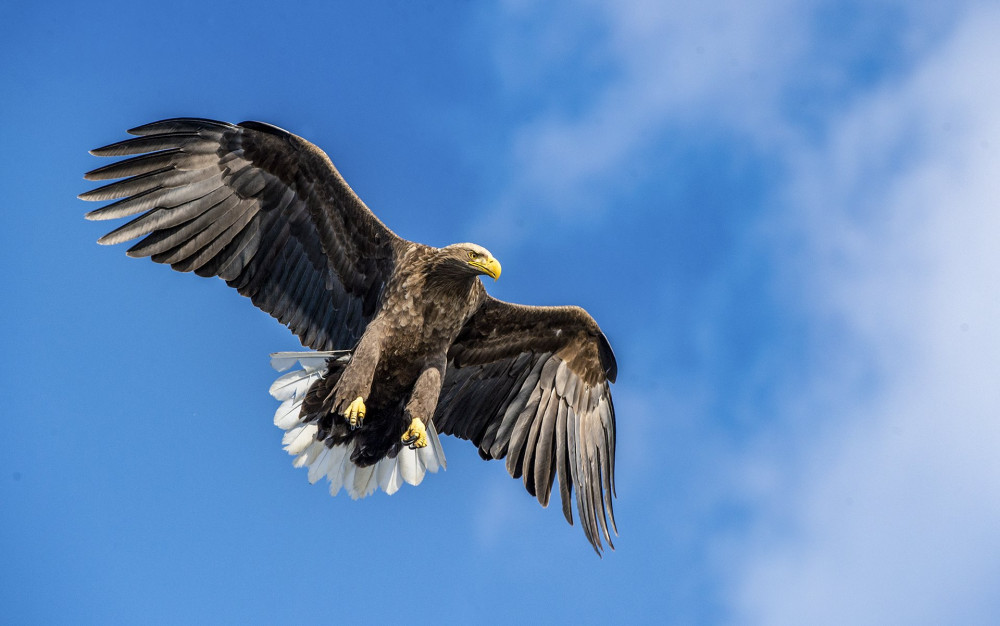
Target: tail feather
318, 469
410, 466
281, 361
349, 470
336, 473
312, 453
389, 479
287, 415
299, 438
433, 455
334, 462
363, 483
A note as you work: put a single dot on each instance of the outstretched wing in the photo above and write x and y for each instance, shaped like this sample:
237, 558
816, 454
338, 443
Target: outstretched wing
532, 384
259, 207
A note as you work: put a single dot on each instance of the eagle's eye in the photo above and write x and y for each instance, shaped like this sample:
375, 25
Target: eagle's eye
473, 255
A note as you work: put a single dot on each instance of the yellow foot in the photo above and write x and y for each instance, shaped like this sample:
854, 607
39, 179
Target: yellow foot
355, 413
416, 435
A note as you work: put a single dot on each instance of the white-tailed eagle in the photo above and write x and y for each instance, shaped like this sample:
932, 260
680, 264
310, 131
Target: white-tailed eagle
410, 344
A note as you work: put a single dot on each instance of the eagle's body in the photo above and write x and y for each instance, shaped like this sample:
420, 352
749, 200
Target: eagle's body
410, 342
402, 357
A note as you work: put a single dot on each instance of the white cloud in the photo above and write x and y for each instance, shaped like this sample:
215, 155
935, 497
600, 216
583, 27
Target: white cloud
889, 513
628, 73
876, 488
649, 66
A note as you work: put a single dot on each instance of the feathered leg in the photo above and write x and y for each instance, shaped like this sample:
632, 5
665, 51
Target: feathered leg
423, 401
355, 383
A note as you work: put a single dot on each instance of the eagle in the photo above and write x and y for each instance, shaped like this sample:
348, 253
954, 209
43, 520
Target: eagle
405, 342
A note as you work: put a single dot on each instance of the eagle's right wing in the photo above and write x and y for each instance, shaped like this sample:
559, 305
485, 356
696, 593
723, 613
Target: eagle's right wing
259, 207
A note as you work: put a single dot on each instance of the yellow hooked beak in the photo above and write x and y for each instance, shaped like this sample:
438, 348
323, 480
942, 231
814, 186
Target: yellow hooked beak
489, 266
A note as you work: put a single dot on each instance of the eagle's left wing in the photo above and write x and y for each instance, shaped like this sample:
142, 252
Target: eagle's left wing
532, 384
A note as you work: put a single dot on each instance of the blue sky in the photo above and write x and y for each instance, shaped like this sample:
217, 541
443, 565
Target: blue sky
783, 216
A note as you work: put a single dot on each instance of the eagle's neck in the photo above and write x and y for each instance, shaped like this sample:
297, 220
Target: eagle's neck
434, 284
442, 285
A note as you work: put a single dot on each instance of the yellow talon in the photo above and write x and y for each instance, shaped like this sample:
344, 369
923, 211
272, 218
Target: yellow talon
416, 435
356, 412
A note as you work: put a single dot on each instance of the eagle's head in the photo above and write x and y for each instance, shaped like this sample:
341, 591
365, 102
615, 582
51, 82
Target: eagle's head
468, 259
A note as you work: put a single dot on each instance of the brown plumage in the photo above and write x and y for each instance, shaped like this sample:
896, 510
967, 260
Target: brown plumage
268, 212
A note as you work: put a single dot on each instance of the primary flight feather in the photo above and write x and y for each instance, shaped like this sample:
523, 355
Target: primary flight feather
410, 344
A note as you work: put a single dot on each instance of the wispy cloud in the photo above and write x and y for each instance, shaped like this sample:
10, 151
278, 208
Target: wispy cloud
872, 481
648, 69
888, 512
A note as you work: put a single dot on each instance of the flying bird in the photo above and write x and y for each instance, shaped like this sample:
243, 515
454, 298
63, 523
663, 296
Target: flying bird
407, 342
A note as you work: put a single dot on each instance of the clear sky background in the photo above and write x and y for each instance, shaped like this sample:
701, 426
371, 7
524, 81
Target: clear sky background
784, 214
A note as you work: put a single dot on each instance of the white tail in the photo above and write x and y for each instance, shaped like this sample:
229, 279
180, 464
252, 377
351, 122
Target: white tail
335, 463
